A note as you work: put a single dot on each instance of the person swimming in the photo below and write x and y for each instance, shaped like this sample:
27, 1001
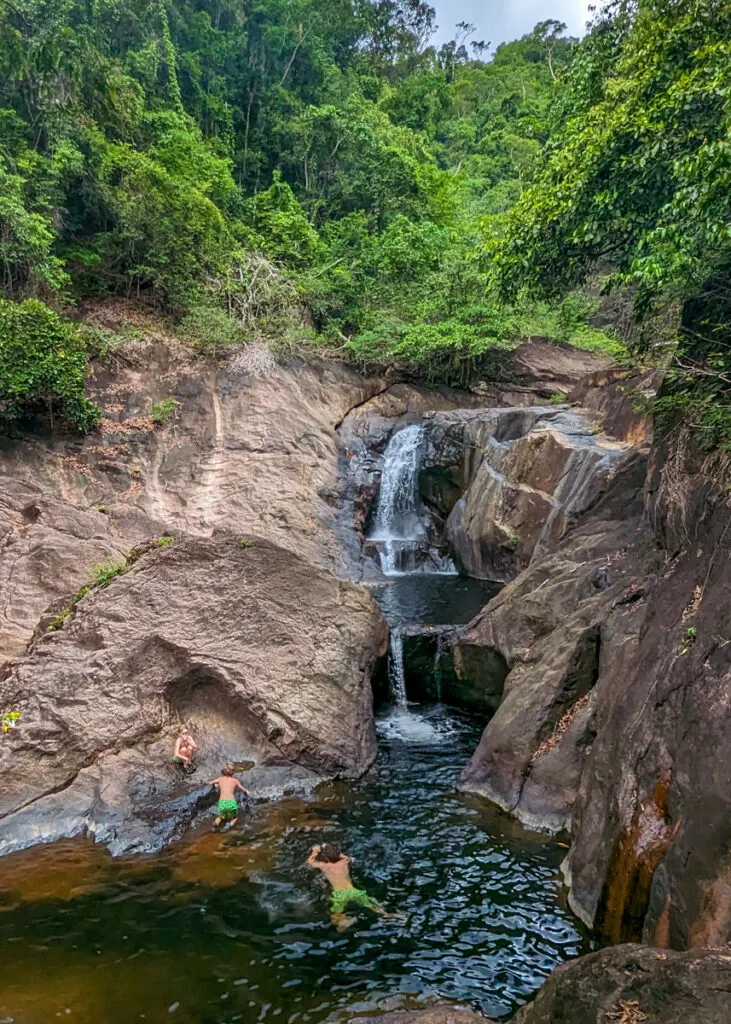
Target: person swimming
335, 866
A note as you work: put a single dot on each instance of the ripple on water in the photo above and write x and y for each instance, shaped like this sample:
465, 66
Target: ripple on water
235, 928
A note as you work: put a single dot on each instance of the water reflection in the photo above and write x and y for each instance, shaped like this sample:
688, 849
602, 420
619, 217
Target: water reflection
436, 600
234, 927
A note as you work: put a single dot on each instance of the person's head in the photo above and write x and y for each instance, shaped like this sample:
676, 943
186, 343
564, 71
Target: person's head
227, 770
330, 853
184, 730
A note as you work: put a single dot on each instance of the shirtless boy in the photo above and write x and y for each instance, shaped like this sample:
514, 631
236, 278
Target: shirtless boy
228, 808
185, 748
335, 866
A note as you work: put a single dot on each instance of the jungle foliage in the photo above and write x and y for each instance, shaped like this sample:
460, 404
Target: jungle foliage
636, 175
317, 171
272, 169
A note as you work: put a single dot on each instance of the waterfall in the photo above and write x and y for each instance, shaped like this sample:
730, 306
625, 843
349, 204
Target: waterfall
438, 664
400, 532
397, 673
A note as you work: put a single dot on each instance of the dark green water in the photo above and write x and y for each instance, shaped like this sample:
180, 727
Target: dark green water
235, 927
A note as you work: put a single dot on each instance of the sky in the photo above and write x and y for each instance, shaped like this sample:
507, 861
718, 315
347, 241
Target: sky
499, 21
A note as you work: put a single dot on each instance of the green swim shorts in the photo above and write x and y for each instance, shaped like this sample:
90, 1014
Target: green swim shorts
340, 899
227, 809
178, 760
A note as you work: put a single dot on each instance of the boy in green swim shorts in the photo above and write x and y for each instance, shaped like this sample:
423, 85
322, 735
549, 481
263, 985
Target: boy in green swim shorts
335, 866
228, 808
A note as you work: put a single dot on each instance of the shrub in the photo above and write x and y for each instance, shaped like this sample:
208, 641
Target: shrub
43, 366
104, 572
210, 327
161, 410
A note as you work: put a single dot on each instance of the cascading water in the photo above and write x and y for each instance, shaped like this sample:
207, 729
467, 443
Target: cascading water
399, 516
397, 671
400, 532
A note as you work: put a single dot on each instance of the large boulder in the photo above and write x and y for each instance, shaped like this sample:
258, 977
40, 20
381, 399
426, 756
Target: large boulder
635, 984
255, 452
267, 658
615, 718
529, 475
542, 642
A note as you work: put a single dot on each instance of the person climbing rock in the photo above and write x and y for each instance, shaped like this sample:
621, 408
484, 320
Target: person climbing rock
185, 748
335, 866
228, 808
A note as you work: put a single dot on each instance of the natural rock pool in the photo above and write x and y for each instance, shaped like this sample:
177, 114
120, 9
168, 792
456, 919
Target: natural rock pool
234, 927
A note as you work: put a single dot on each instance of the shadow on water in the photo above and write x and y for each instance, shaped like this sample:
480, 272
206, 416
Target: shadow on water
235, 928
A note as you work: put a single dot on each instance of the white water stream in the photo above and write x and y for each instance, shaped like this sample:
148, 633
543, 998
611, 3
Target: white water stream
401, 535
400, 531
400, 527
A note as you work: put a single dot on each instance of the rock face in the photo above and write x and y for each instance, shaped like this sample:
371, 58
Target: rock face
251, 454
203, 631
546, 628
434, 1015
616, 711
527, 476
555, 368
47, 546
651, 831
632, 984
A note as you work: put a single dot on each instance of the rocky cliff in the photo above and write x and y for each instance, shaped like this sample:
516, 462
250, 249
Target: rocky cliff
616, 713
239, 511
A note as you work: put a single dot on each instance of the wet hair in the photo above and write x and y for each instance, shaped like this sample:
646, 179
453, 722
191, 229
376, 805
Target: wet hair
183, 728
330, 853
227, 770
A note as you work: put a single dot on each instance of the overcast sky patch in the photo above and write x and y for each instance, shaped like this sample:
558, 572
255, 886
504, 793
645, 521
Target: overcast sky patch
499, 21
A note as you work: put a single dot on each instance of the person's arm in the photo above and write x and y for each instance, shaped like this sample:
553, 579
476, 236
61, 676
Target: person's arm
242, 788
193, 744
177, 747
213, 782
312, 859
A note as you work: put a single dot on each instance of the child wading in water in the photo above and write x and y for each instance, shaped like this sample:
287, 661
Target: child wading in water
228, 808
335, 866
185, 748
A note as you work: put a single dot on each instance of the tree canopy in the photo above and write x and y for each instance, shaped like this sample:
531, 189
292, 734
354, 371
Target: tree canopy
636, 176
318, 169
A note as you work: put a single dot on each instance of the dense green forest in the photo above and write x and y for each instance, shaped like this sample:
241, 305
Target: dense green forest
316, 172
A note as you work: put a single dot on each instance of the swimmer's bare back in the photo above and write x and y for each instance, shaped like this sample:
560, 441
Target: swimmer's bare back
337, 874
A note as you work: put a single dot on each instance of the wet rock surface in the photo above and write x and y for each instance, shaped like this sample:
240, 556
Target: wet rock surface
434, 1015
631, 984
203, 631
